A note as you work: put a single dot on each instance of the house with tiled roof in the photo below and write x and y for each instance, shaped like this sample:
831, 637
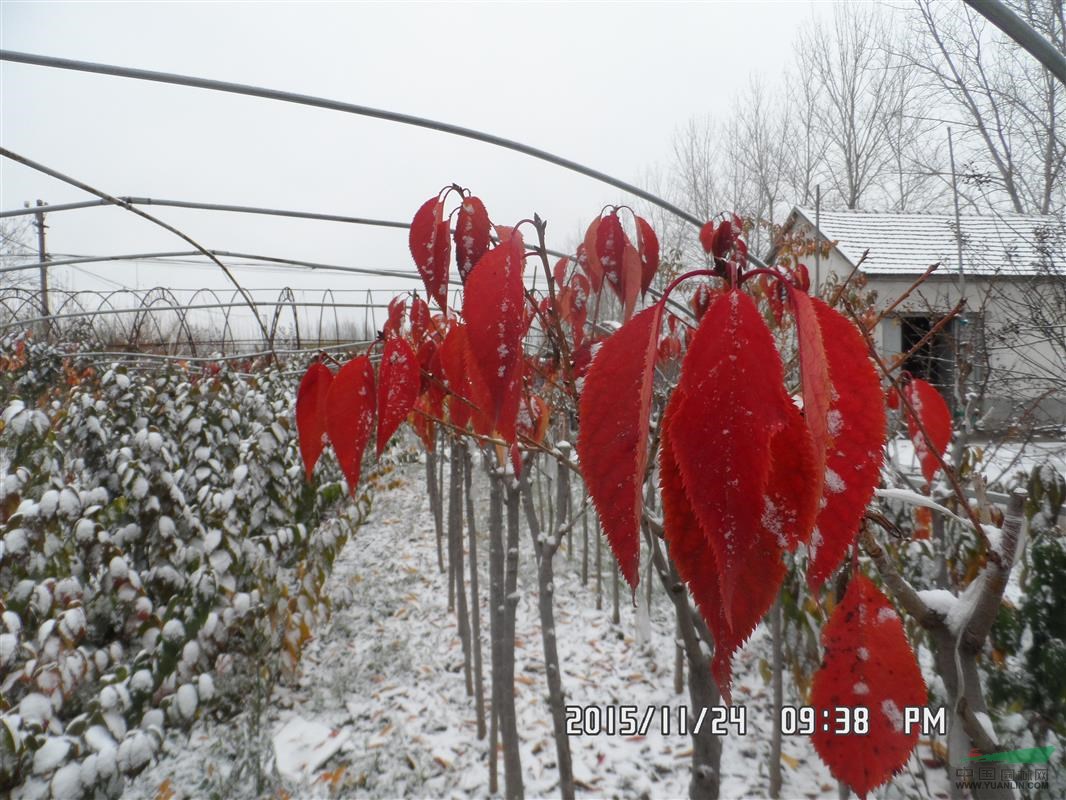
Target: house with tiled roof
1007, 350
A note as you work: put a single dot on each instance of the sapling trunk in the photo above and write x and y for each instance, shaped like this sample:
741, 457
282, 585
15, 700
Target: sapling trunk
475, 596
703, 691
545, 548
512, 760
616, 579
777, 666
585, 550
599, 567
496, 615
435, 504
455, 550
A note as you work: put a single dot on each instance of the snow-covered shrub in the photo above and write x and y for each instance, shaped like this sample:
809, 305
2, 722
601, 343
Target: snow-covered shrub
158, 546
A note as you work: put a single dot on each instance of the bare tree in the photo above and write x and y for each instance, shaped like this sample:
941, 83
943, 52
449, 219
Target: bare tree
1011, 107
861, 91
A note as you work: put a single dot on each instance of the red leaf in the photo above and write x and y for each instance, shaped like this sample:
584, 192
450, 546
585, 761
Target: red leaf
559, 272
615, 409
701, 300
350, 416
734, 404
855, 427
591, 262
472, 235
311, 413
932, 410
869, 664
394, 324
398, 383
814, 374
419, 320
494, 310
431, 247
631, 267
611, 243
648, 245
470, 396
707, 236
693, 554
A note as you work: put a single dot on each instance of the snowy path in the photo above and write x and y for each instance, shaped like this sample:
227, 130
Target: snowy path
385, 678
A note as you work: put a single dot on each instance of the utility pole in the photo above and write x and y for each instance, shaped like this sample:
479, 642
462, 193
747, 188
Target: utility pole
42, 257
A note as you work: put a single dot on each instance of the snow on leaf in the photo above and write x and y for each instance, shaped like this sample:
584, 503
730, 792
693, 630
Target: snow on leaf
493, 307
398, 383
615, 408
868, 663
932, 410
855, 431
310, 413
430, 243
611, 242
734, 404
472, 235
350, 416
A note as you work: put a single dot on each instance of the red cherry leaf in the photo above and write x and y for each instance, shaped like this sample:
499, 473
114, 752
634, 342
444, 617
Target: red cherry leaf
630, 280
693, 554
394, 323
869, 664
611, 243
398, 383
588, 257
431, 245
855, 427
311, 413
734, 404
615, 410
648, 245
350, 416
472, 235
707, 236
932, 410
814, 375
419, 320
701, 300
559, 272
494, 309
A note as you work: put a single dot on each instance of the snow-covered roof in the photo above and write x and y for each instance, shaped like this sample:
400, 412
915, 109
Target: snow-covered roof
906, 244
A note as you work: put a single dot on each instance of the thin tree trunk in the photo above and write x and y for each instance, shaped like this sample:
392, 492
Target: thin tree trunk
599, 567
702, 689
435, 504
475, 596
512, 759
546, 549
679, 660
778, 691
585, 550
616, 616
497, 628
455, 549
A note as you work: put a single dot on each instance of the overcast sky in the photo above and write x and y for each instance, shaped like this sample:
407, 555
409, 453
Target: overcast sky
605, 84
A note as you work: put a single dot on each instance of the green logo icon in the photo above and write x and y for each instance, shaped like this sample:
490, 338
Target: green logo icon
1031, 755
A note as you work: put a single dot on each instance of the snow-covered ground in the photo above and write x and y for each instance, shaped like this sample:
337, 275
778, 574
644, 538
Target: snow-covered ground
381, 710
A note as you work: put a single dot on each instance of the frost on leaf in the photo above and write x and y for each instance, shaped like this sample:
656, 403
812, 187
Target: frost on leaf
472, 235
431, 248
854, 434
868, 663
494, 310
398, 383
615, 407
310, 413
935, 416
350, 416
734, 404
